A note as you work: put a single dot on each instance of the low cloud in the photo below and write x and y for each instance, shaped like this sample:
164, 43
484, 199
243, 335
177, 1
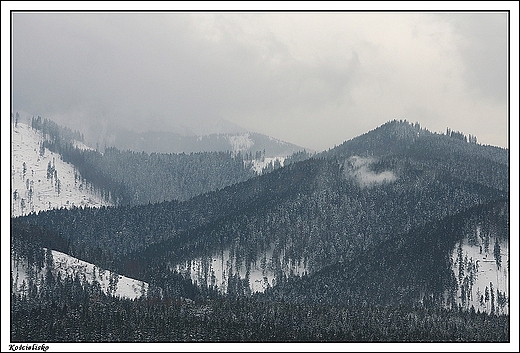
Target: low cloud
314, 79
358, 168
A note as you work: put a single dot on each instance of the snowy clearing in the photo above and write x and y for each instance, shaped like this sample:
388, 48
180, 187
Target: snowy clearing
66, 265
40, 180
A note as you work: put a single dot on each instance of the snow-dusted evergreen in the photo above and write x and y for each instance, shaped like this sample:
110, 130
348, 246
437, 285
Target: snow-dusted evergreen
262, 165
219, 270
397, 234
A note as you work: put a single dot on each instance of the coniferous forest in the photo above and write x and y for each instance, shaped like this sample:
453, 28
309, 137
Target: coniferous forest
355, 244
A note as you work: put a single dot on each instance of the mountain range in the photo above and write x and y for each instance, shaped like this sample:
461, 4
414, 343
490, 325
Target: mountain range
399, 217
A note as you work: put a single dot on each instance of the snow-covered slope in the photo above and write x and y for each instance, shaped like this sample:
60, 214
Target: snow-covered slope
40, 180
216, 271
65, 265
475, 266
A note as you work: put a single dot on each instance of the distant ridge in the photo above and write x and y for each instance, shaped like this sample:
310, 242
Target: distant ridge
170, 142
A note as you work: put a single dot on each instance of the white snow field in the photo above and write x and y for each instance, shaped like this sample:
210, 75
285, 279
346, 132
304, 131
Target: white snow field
110, 283
481, 269
32, 189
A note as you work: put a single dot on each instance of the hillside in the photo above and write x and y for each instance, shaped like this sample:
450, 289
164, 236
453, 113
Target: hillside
434, 265
452, 154
391, 167
125, 177
383, 229
301, 218
41, 180
65, 266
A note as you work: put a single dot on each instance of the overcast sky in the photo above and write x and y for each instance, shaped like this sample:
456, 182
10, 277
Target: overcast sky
314, 79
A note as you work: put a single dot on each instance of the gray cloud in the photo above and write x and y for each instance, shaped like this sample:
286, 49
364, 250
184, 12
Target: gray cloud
314, 79
483, 46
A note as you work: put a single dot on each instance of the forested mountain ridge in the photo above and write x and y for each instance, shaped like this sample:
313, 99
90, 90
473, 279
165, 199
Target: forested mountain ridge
414, 267
367, 229
304, 216
452, 153
124, 177
167, 142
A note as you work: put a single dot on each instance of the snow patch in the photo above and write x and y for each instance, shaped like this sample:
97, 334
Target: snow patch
259, 165
476, 270
240, 142
215, 271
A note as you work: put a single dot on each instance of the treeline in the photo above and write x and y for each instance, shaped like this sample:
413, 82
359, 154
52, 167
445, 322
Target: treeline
28, 240
461, 136
78, 312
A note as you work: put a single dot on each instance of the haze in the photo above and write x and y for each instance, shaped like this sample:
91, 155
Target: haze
314, 79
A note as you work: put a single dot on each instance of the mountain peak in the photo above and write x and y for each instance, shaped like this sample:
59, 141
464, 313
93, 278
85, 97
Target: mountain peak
402, 129
387, 137
399, 136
